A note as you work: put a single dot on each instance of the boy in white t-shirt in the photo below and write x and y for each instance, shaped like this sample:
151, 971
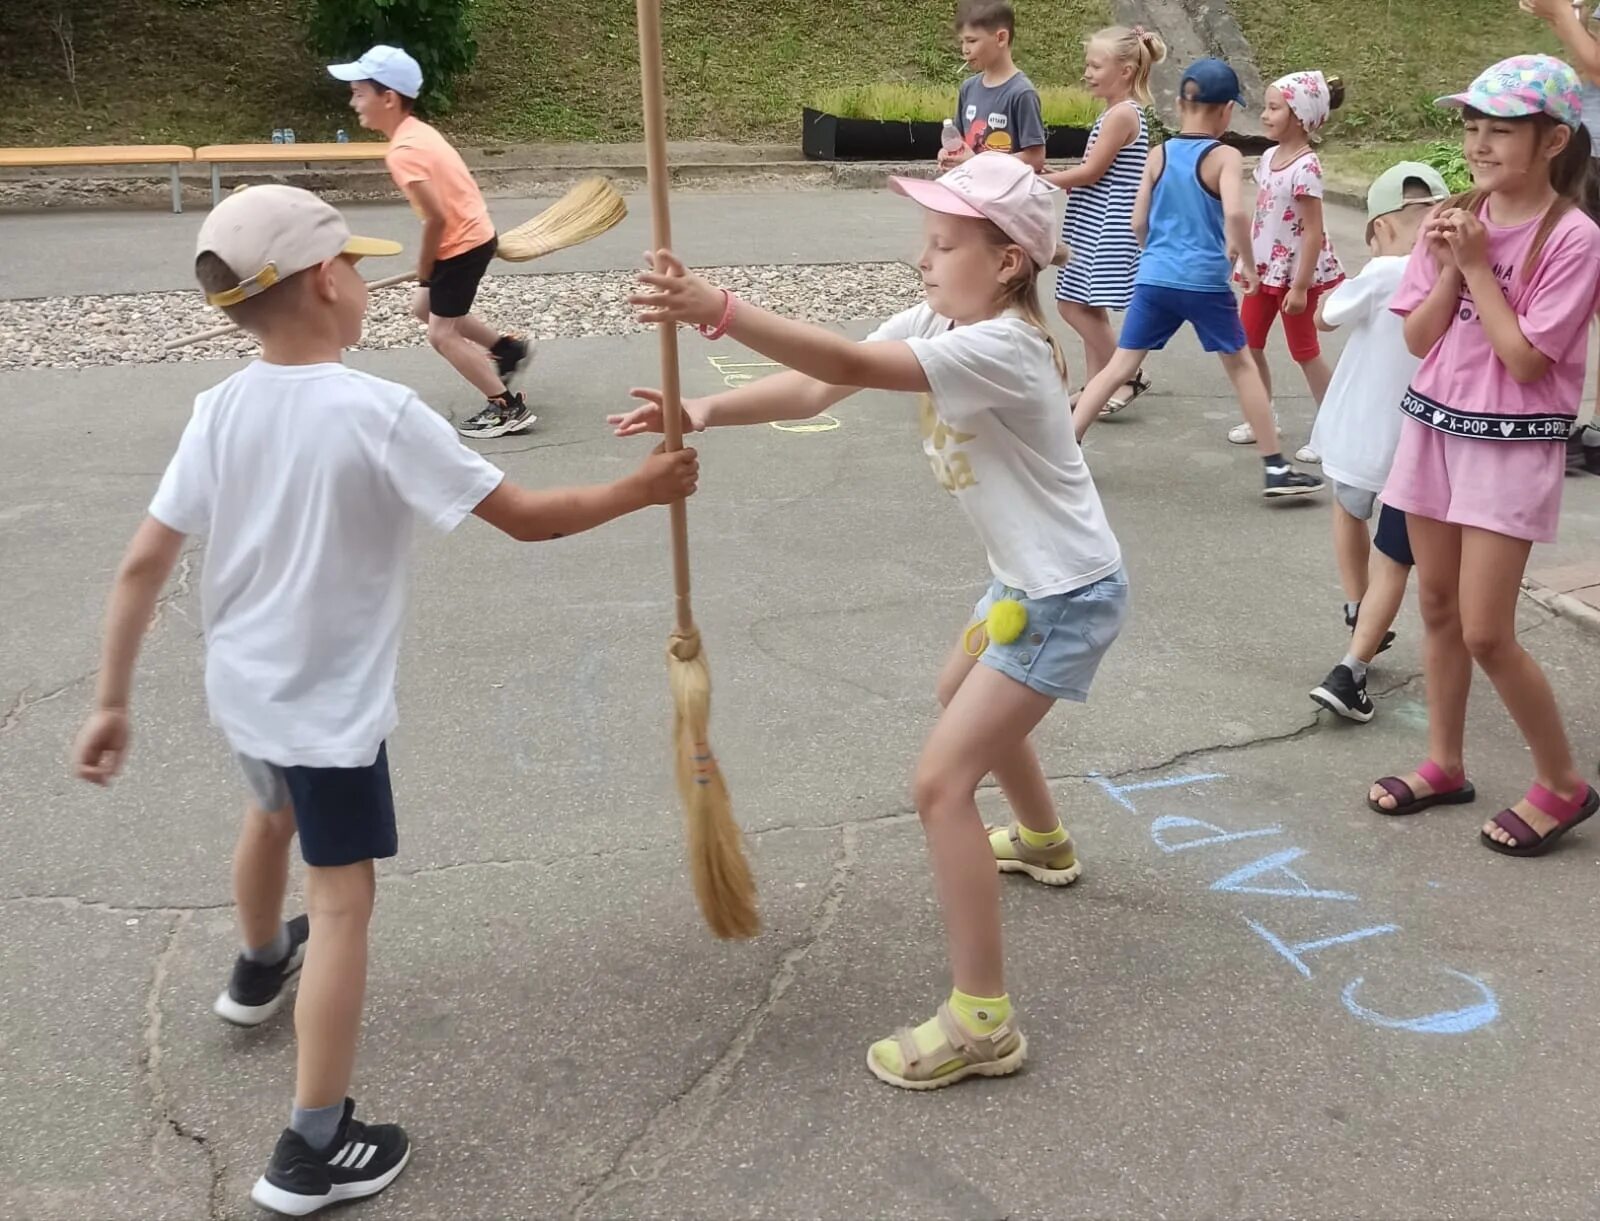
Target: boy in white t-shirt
1358, 428
305, 477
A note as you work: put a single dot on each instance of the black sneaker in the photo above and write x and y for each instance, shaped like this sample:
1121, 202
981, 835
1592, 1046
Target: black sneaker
499, 417
1350, 622
255, 992
1286, 481
510, 353
361, 1162
1344, 693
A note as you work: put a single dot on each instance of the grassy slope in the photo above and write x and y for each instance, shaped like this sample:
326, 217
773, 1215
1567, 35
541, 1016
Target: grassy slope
202, 71
1396, 56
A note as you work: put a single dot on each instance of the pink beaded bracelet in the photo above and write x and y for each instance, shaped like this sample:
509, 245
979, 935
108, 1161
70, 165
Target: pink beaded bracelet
723, 323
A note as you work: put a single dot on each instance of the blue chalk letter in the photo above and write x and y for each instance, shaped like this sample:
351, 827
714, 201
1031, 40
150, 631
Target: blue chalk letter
1445, 1021
1172, 822
1277, 862
1293, 952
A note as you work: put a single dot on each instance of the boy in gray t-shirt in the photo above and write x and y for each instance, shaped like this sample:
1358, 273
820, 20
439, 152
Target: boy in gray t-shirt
998, 107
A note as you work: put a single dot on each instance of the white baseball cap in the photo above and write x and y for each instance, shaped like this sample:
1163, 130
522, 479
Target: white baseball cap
389, 66
268, 233
1000, 188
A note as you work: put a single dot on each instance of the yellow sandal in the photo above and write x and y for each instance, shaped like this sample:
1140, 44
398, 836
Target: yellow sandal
962, 1054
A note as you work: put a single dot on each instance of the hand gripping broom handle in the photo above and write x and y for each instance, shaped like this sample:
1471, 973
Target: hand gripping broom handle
655, 144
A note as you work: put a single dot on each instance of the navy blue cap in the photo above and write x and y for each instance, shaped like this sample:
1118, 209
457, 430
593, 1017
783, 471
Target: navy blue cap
1212, 82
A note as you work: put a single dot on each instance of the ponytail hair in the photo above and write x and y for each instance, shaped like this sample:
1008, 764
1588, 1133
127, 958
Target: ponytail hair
1135, 45
1335, 91
1572, 176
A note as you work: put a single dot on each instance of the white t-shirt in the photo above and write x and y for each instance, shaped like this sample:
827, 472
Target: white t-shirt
1358, 425
998, 432
305, 480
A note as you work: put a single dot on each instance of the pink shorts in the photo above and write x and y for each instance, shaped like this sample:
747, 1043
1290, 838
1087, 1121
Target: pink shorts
1509, 487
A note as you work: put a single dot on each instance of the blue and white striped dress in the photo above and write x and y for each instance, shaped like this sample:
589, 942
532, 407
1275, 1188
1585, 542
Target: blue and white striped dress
1099, 227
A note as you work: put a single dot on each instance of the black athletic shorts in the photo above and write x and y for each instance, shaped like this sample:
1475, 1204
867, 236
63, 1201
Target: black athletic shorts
1392, 537
453, 284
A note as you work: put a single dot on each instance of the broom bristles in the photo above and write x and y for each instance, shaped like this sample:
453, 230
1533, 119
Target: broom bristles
723, 885
584, 212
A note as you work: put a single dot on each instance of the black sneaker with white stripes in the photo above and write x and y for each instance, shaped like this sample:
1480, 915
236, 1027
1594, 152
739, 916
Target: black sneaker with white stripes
362, 1161
1286, 481
510, 353
1344, 693
1350, 622
255, 991
499, 417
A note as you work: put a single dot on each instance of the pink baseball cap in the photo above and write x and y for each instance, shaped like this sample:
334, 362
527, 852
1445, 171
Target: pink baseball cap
997, 187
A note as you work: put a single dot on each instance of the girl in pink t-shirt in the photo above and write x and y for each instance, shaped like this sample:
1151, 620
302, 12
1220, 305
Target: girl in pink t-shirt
1497, 300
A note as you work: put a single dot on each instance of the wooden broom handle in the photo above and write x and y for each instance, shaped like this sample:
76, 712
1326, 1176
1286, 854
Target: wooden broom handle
655, 148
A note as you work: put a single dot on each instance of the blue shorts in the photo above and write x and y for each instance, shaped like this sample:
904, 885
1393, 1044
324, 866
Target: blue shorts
1156, 313
1392, 538
343, 814
1064, 639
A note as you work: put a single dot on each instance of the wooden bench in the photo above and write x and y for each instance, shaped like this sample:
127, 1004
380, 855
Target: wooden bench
219, 155
170, 155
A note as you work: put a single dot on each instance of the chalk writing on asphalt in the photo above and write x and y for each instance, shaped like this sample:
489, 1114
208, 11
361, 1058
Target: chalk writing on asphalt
1275, 876
736, 373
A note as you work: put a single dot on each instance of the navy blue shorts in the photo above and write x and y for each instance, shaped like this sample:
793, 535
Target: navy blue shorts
1392, 538
1156, 313
344, 814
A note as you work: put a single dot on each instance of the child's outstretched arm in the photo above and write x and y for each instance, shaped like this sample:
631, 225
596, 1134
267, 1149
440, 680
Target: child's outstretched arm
783, 396
102, 743
536, 517
1230, 185
1120, 129
681, 296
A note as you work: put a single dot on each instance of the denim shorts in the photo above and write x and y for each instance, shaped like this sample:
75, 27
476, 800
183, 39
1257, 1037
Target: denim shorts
1064, 639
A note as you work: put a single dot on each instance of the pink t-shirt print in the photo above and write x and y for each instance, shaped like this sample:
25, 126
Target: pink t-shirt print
1462, 387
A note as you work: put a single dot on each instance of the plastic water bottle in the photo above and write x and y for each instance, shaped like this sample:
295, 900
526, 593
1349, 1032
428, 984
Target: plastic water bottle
950, 138
277, 135
288, 135
341, 136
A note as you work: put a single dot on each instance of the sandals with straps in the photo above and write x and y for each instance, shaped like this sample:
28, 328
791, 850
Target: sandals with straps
1448, 790
1568, 814
1057, 865
962, 1054
1138, 384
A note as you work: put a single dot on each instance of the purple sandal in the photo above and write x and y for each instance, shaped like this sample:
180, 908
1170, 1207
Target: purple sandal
1568, 814
1448, 790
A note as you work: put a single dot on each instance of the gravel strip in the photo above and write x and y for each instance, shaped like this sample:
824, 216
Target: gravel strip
73, 332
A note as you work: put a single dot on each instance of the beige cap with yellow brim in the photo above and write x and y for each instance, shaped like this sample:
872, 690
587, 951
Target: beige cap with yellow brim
266, 234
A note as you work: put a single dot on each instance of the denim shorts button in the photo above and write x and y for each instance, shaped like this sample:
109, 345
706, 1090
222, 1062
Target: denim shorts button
1027, 659
1036, 638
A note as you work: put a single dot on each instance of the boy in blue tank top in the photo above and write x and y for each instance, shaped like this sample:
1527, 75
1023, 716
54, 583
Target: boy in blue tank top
1190, 218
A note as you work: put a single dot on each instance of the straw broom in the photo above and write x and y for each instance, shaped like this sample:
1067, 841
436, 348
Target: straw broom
722, 883
586, 211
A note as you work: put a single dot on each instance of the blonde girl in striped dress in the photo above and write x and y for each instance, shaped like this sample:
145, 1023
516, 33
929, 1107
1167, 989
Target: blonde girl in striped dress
1099, 222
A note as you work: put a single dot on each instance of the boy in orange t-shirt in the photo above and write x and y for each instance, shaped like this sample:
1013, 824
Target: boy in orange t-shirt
458, 238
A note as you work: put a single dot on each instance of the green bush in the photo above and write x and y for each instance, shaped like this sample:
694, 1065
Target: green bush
436, 33
1063, 105
1446, 157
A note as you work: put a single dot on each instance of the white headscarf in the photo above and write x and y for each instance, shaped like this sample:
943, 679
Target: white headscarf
1305, 93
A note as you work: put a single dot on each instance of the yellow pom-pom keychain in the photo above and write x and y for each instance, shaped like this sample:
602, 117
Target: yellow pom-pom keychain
1006, 621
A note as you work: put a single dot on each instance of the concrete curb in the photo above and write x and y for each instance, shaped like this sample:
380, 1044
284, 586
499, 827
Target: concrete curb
1566, 606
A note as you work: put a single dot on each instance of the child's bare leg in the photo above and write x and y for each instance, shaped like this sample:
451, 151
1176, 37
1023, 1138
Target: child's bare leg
469, 359
1351, 547
478, 331
261, 873
327, 1017
1446, 664
1019, 773
1491, 577
1255, 399
1263, 369
1124, 363
988, 717
1093, 326
1318, 375
1379, 605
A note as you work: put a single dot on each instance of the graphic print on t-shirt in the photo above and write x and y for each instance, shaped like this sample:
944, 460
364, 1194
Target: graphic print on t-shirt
952, 470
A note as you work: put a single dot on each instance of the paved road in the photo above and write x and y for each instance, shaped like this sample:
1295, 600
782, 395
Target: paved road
1260, 999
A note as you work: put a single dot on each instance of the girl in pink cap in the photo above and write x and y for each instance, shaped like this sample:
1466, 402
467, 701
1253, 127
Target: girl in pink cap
997, 431
1497, 301
1294, 258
